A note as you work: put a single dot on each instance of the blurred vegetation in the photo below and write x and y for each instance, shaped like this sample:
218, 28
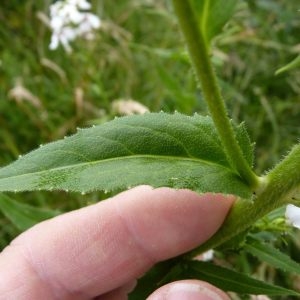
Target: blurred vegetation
138, 54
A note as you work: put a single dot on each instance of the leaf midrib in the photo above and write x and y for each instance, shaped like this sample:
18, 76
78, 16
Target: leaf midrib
81, 164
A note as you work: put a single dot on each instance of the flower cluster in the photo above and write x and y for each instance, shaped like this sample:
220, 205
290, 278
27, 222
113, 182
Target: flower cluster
69, 19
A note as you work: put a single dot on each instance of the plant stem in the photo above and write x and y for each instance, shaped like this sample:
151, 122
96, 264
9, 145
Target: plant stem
280, 184
200, 59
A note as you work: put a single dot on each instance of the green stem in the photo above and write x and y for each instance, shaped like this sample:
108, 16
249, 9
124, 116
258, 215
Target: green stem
200, 59
277, 189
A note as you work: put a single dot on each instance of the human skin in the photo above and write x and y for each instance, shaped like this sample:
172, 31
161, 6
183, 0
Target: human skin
98, 252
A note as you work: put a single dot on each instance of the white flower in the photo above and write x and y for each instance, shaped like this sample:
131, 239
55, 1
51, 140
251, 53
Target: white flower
208, 255
56, 23
82, 4
205, 256
68, 21
292, 215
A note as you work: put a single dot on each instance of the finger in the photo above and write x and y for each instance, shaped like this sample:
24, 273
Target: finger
120, 293
188, 290
98, 248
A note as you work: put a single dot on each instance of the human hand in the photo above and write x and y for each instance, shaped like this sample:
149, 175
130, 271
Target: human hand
97, 252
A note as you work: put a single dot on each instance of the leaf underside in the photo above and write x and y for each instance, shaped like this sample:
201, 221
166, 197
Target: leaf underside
157, 149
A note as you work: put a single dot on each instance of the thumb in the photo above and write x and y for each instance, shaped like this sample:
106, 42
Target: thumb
188, 290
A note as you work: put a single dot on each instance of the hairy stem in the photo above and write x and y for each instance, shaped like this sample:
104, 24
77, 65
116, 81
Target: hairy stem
277, 189
201, 62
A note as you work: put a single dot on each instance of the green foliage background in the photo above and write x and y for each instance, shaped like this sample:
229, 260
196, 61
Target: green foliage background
138, 54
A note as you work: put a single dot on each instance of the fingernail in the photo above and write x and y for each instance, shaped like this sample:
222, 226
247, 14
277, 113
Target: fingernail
189, 291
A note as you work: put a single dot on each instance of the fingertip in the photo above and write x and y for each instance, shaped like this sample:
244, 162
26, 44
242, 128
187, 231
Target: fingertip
168, 222
188, 290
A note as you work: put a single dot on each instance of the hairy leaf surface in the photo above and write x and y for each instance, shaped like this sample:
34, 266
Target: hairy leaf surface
272, 256
212, 15
158, 149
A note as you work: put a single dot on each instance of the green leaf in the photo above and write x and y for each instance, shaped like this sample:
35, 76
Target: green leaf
272, 256
24, 216
158, 149
152, 279
229, 280
292, 65
212, 15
